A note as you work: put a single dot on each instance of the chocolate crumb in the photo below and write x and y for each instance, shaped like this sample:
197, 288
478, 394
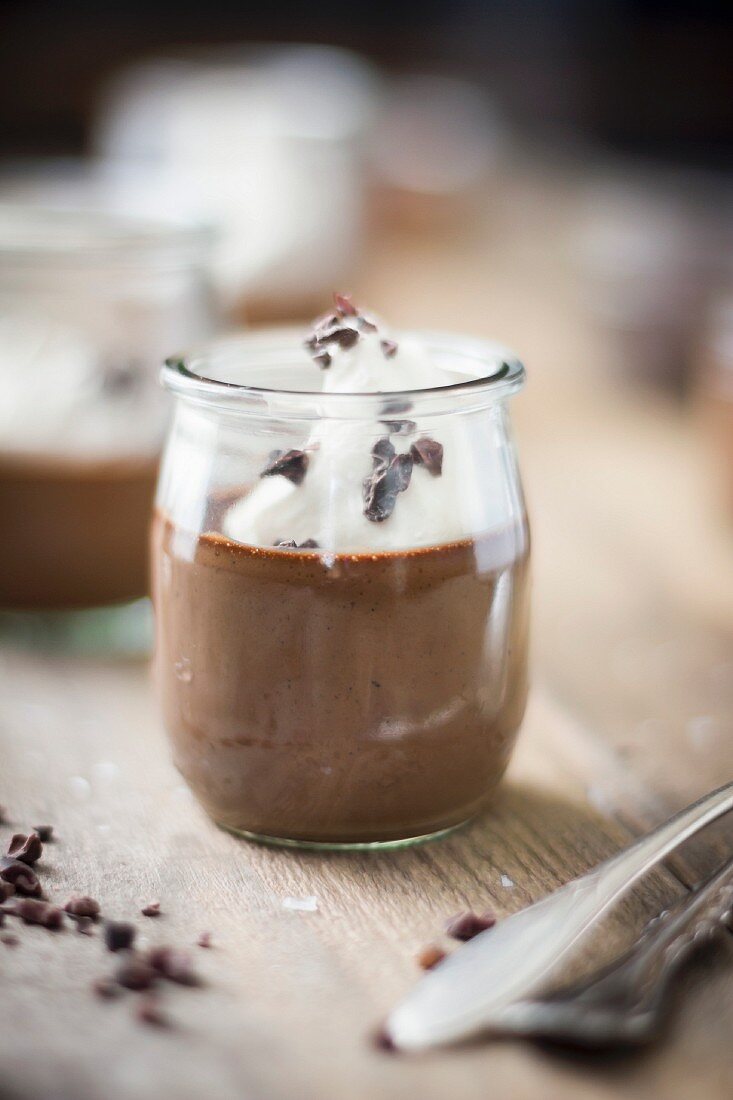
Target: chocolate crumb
291, 464
464, 926
344, 305
45, 832
399, 427
119, 935
173, 964
151, 910
430, 956
21, 876
204, 939
382, 1040
428, 453
135, 974
148, 1011
28, 849
10, 939
78, 907
107, 988
389, 348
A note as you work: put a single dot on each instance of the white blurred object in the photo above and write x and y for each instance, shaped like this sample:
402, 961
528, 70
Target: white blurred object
437, 143
266, 143
645, 259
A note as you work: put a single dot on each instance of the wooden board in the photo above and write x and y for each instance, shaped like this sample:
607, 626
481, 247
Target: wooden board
630, 717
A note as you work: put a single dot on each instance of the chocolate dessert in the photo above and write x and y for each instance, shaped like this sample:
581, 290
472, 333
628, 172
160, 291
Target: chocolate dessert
342, 643
359, 700
77, 531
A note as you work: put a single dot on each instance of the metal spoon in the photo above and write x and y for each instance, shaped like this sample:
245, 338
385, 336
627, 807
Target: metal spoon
481, 986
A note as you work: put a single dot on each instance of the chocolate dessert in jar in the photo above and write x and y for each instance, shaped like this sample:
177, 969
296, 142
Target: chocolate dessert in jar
340, 575
89, 303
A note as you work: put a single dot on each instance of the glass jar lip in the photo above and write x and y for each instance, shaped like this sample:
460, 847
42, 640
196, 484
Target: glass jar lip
500, 376
32, 232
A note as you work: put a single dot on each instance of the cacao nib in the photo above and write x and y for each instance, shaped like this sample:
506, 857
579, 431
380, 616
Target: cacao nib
82, 907
135, 974
464, 926
428, 453
383, 452
151, 910
106, 988
35, 911
323, 359
381, 489
173, 964
291, 464
21, 876
6, 891
309, 544
430, 956
119, 935
366, 324
204, 939
389, 348
28, 849
383, 1041
345, 337
45, 832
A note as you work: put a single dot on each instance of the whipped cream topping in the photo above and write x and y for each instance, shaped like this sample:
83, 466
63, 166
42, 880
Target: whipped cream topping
464, 498
61, 398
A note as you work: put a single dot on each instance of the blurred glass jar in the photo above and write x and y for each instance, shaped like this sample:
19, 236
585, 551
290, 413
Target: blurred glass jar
90, 303
715, 391
266, 143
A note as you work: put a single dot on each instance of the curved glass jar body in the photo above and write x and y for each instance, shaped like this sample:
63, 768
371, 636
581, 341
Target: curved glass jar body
357, 691
89, 303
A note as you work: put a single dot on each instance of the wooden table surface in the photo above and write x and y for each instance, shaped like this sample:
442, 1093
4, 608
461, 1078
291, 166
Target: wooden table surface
631, 716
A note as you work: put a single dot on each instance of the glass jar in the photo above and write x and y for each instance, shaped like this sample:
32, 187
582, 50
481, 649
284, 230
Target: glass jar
320, 692
89, 304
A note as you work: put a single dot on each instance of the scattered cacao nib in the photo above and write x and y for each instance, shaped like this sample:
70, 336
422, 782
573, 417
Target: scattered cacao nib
381, 489
27, 848
9, 939
82, 907
389, 348
366, 324
464, 926
119, 935
309, 544
428, 453
430, 956
399, 427
291, 464
151, 910
148, 1011
323, 359
286, 544
173, 964
45, 832
21, 876
107, 988
135, 974
345, 337
383, 1041
204, 939
35, 911
344, 305
6, 891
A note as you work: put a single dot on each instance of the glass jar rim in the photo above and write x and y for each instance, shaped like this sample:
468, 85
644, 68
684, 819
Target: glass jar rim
33, 232
499, 375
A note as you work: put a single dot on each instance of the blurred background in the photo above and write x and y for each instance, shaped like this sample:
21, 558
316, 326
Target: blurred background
553, 174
